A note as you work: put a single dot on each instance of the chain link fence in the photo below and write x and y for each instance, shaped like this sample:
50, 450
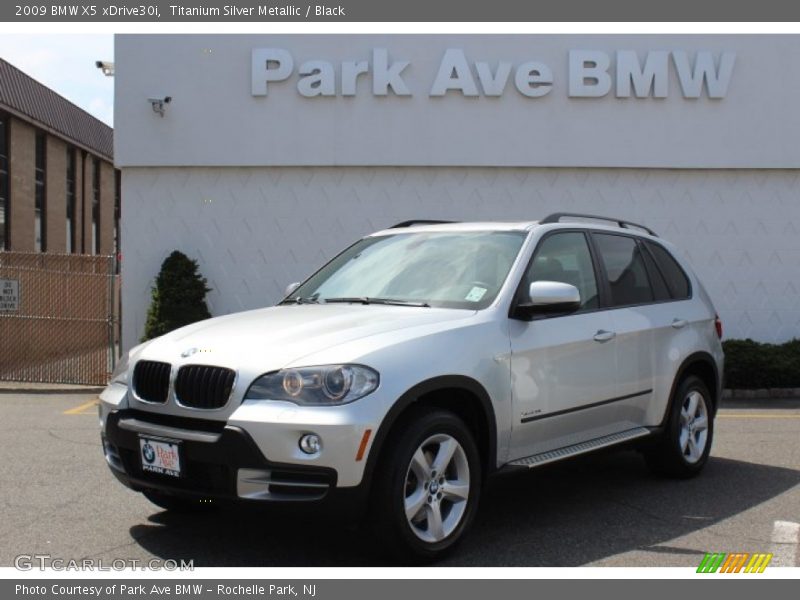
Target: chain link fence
58, 317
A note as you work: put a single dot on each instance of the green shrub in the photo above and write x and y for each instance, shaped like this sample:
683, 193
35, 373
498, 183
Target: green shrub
179, 297
753, 365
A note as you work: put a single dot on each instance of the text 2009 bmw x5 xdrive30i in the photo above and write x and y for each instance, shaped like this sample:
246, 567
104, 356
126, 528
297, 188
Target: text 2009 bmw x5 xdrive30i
419, 361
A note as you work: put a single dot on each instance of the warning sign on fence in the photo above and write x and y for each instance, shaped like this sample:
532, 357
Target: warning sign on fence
9, 295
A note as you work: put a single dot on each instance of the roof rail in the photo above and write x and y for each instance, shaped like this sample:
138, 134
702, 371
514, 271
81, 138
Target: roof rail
413, 222
556, 218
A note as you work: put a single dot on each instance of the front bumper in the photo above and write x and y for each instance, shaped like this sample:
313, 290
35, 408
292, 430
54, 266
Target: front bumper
275, 428
218, 461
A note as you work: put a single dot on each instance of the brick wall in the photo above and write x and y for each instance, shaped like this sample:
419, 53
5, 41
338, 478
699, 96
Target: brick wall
22, 147
22, 192
56, 195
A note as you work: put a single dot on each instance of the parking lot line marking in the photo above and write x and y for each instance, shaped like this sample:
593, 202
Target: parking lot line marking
83, 409
758, 416
785, 538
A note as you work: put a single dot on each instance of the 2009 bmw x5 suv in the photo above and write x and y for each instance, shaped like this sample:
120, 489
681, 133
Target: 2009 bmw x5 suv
419, 361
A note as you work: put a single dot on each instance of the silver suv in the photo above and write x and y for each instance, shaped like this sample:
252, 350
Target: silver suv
418, 362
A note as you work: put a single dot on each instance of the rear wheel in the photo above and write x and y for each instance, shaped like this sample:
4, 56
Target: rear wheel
684, 446
427, 487
180, 504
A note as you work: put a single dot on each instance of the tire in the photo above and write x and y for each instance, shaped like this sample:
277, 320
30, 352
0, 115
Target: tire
441, 505
682, 449
177, 504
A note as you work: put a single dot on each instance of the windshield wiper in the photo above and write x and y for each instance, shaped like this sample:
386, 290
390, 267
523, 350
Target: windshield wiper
370, 300
300, 300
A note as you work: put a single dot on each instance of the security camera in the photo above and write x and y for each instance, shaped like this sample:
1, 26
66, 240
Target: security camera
106, 67
160, 104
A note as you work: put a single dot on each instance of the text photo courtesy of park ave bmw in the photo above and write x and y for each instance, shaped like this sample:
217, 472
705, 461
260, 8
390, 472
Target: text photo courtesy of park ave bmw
397, 300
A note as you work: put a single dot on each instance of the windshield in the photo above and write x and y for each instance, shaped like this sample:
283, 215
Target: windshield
451, 270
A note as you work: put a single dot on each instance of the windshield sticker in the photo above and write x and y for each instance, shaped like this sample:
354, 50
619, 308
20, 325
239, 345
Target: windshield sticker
475, 294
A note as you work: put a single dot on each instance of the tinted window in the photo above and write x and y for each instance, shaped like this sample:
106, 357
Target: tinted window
676, 279
627, 276
565, 257
657, 282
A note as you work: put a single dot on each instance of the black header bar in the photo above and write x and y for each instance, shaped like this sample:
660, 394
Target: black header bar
241, 11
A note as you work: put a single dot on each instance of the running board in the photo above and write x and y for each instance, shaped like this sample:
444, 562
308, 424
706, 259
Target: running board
576, 449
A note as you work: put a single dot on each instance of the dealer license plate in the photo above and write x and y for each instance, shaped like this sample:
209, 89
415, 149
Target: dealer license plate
160, 456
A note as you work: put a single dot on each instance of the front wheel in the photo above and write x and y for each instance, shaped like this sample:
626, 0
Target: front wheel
427, 488
683, 448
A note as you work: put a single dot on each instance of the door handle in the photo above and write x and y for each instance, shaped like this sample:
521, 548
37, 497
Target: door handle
679, 323
604, 336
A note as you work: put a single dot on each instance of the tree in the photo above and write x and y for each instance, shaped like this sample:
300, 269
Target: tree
179, 297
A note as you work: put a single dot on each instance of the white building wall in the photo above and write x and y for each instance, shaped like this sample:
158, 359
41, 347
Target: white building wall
214, 118
254, 230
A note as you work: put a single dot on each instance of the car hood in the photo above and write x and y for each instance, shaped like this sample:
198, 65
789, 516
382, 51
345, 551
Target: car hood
275, 337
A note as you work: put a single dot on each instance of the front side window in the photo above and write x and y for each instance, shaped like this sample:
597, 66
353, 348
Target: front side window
625, 269
565, 257
443, 269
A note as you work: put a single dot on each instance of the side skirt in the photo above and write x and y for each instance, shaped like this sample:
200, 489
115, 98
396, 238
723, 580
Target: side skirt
550, 456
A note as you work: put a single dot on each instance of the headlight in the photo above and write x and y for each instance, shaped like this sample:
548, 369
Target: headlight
120, 374
316, 386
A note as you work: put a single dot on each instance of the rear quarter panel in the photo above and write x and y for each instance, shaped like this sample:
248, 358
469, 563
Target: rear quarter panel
698, 338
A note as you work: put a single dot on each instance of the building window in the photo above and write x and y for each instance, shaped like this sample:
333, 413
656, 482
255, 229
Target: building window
40, 223
4, 182
96, 207
117, 214
71, 189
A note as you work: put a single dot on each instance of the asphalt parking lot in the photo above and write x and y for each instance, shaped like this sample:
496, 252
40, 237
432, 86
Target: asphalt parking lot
59, 499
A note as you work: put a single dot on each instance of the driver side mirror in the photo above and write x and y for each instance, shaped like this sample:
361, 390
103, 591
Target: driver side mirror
549, 297
290, 288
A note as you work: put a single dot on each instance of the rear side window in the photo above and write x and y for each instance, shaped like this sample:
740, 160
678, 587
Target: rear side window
624, 265
673, 273
657, 281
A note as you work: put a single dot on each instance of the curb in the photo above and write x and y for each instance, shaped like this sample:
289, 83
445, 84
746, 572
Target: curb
43, 389
788, 398
761, 394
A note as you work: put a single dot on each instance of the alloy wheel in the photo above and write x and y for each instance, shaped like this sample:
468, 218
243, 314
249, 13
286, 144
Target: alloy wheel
694, 427
437, 488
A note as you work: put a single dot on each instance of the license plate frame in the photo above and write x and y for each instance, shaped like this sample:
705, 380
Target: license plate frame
161, 456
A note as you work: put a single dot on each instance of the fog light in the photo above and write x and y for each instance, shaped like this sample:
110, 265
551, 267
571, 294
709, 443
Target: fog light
310, 443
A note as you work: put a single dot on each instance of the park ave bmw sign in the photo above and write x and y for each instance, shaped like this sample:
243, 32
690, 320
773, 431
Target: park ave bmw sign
591, 74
